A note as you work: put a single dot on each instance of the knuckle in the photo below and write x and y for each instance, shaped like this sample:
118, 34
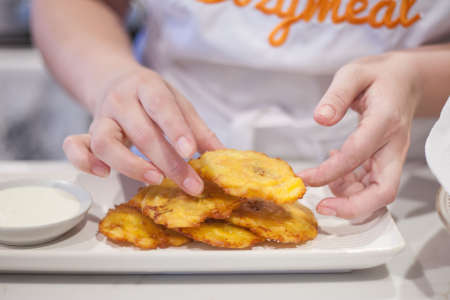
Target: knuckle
188, 107
357, 68
113, 101
93, 126
69, 142
388, 194
394, 118
175, 169
154, 101
78, 158
81, 162
99, 146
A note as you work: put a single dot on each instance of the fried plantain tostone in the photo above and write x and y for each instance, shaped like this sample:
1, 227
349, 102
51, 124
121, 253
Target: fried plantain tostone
221, 234
289, 223
168, 205
126, 225
137, 199
251, 175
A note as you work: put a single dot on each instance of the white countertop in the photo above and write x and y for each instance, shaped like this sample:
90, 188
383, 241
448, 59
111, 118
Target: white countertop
421, 271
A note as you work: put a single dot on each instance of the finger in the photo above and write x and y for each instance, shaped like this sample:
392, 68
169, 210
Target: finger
348, 83
346, 189
206, 139
381, 189
371, 135
107, 144
354, 176
349, 184
159, 103
148, 138
339, 181
76, 148
363, 170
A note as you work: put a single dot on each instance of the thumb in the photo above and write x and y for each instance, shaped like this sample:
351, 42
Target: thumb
348, 83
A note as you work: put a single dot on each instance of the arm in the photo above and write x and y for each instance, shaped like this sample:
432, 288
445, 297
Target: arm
83, 44
387, 91
433, 67
86, 48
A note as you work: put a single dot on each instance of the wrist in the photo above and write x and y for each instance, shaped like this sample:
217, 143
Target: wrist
411, 75
107, 77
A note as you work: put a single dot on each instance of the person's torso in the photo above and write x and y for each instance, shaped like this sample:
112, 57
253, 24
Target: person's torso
256, 69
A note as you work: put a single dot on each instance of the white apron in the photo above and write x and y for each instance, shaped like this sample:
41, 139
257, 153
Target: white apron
256, 69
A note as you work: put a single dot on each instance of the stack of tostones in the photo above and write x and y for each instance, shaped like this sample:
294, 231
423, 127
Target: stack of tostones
248, 198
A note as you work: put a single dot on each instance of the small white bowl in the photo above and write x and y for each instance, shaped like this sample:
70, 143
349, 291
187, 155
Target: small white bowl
32, 235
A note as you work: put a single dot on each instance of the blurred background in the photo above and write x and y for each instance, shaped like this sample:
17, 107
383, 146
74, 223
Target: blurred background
35, 113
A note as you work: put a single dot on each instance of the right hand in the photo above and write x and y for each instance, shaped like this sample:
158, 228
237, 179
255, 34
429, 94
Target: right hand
140, 108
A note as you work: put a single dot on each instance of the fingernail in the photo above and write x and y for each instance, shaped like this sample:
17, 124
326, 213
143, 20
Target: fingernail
192, 185
327, 112
184, 147
326, 211
100, 170
153, 177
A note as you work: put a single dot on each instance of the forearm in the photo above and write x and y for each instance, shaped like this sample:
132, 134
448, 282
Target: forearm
433, 70
84, 45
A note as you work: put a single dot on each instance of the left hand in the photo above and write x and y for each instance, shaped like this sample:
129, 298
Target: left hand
365, 173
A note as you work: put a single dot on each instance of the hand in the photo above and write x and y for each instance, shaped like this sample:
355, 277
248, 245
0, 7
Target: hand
365, 173
140, 108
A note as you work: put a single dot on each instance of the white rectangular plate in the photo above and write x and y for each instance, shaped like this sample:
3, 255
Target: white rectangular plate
340, 246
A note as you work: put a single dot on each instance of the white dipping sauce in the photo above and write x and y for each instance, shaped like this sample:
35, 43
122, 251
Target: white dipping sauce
35, 205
